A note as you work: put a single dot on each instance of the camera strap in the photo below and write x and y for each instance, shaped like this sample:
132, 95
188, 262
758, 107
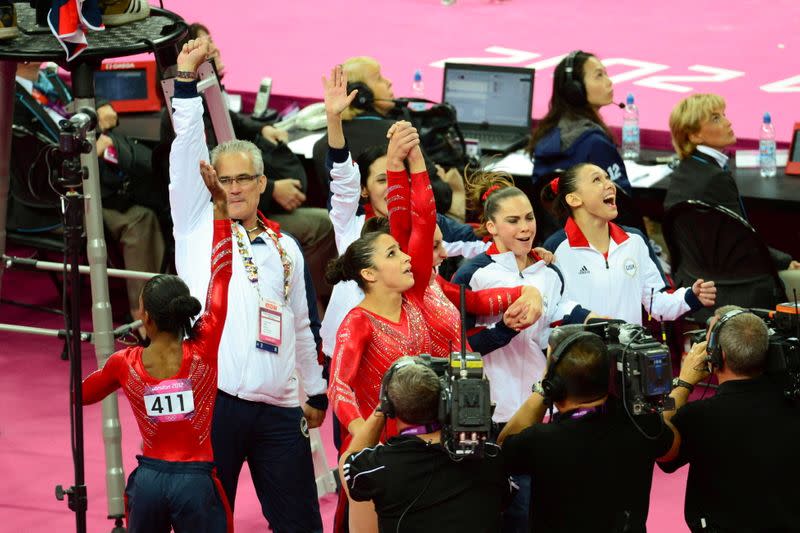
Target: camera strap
579, 413
422, 430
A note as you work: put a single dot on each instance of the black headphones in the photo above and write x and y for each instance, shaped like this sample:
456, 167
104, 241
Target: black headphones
714, 348
365, 99
387, 408
555, 388
573, 89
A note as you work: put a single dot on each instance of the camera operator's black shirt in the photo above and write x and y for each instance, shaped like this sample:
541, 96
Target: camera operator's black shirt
408, 475
743, 450
591, 473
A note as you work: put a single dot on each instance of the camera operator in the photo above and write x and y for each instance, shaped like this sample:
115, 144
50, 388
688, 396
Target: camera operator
741, 445
412, 479
591, 467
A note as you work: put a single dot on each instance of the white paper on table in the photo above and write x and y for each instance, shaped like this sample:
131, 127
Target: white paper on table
516, 163
644, 176
749, 158
304, 146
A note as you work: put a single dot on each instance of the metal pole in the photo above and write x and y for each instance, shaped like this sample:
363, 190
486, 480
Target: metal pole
8, 70
83, 269
83, 90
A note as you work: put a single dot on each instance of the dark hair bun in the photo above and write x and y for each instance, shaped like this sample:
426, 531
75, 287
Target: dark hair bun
184, 307
334, 273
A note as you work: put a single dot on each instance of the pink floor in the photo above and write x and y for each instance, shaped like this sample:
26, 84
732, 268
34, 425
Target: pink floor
34, 432
744, 50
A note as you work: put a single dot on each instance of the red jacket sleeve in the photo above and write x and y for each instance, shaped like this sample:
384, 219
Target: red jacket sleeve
104, 381
208, 329
352, 340
398, 204
423, 225
483, 302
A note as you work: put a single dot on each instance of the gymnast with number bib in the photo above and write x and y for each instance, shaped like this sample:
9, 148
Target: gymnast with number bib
172, 387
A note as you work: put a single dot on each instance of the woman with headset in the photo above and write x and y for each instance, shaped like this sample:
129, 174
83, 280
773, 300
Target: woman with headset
573, 131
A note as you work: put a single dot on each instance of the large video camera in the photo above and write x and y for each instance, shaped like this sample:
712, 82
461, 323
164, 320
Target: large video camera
465, 410
783, 352
641, 366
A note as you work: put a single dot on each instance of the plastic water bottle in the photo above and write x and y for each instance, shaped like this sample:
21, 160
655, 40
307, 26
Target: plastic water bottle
766, 148
417, 91
630, 130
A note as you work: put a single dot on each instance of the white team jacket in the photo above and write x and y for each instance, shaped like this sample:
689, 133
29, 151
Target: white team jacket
514, 368
619, 286
244, 370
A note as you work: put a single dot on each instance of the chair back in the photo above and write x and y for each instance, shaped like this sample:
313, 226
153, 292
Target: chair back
714, 243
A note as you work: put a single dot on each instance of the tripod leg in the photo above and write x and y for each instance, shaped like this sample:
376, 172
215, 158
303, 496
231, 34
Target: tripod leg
8, 70
103, 337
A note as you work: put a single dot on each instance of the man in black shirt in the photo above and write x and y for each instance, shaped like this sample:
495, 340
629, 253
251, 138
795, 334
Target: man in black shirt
742, 444
591, 467
412, 480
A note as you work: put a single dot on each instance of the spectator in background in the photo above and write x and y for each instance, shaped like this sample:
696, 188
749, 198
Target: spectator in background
573, 131
125, 165
700, 133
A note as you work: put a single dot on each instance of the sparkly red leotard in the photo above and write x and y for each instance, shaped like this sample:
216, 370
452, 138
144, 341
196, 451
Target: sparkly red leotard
174, 414
412, 215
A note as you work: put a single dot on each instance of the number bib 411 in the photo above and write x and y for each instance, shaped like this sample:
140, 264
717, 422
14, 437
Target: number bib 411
169, 401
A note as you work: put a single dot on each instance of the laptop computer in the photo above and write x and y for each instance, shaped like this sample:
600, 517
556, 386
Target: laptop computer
493, 103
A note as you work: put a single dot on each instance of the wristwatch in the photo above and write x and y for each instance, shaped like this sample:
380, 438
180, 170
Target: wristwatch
187, 74
678, 382
537, 388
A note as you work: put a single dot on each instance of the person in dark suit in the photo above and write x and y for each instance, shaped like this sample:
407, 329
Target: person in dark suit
700, 133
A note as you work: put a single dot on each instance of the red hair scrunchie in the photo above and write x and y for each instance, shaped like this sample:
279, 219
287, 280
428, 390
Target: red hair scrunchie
489, 191
554, 185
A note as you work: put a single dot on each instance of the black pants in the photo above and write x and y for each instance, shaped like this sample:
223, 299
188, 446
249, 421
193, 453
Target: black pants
181, 495
278, 453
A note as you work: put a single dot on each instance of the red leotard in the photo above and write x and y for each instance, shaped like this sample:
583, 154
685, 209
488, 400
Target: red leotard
183, 436
412, 221
366, 346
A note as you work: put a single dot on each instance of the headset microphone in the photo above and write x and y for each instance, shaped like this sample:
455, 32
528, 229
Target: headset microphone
619, 104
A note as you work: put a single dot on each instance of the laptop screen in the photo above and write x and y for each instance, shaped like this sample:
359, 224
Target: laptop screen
489, 95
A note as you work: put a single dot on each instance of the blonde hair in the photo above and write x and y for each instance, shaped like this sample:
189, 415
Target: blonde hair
687, 117
355, 68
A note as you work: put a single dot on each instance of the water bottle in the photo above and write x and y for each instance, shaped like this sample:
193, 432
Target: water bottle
630, 130
766, 148
417, 91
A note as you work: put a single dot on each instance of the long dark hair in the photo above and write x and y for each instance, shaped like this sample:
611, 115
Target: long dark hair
357, 257
561, 107
167, 300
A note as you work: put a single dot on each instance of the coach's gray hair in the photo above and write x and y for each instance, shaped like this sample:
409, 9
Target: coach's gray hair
244, 147
744, 340
414, 393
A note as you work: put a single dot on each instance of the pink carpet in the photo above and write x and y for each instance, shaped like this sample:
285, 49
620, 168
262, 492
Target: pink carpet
745, 51
34, 431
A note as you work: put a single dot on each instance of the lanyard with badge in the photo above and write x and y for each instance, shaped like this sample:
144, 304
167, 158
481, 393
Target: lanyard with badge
270, 312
